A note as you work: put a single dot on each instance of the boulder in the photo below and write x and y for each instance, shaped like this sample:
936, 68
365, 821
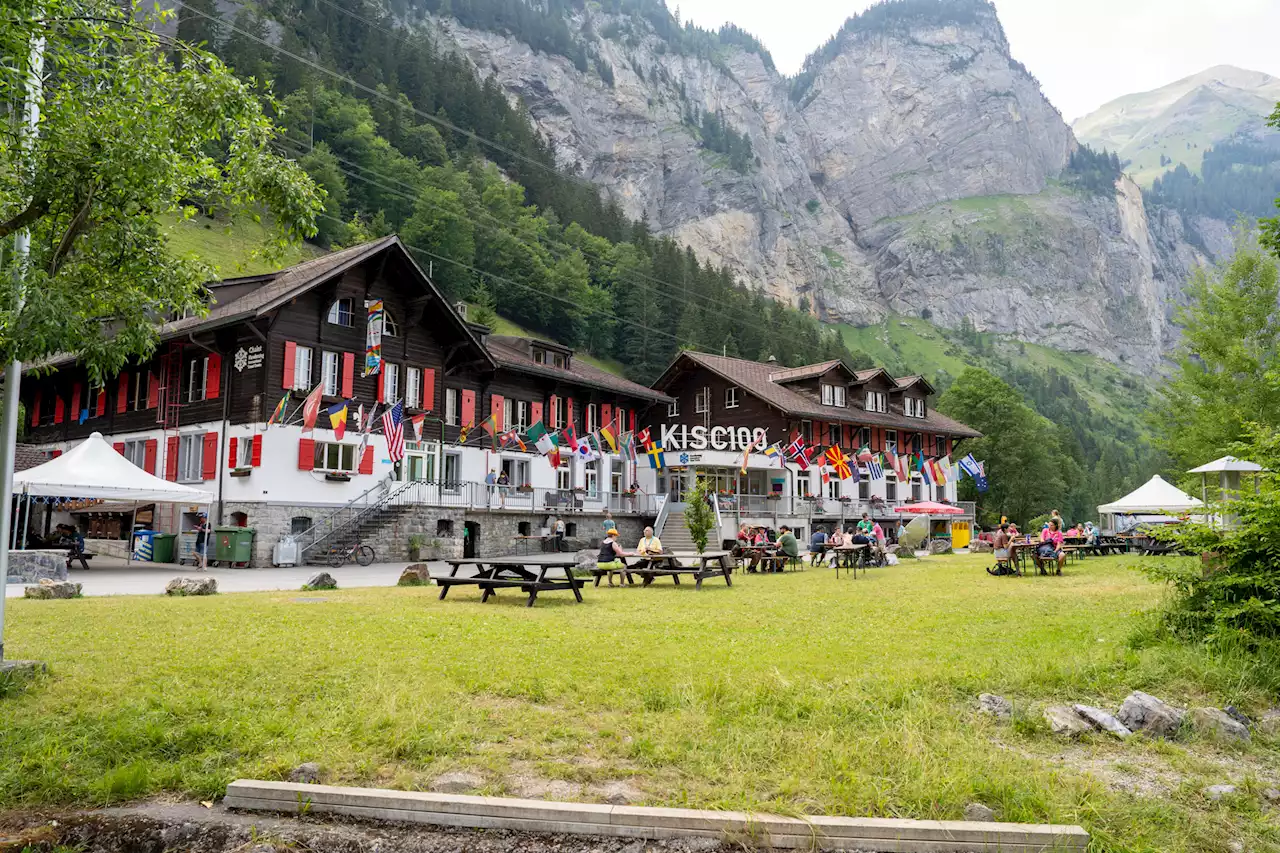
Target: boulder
995, 706
940, 546
1239, 716
620, 794
308, 773
416, 575
1064, 721
1217, 792
979, 812
586, 559
456, 782
322, 580
191, 586
53, 589
1269, 723
1101, 720
1144, 712
1219, 726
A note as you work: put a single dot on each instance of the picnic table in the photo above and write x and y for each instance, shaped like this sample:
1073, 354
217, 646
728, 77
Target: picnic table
527, 540
770, 558
527, 573
708, 564
845, 555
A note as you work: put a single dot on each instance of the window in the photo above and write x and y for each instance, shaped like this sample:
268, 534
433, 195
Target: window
876, 401
917, 443
673, 408
593, 479
413, 388
559, 408
329, 373
302, 369
806, 431
913, 407
340, 313
917, 487
336, 458
833, 489
802, 484
452, 470
135, 450
731, 398
559, 361
299, 525
564, 474
451, 406
864, 437
191, 457
244, 453
834, 434
834, 395
196, 373
593, 418
940, 445
616, 476
91, 397
390, 328
420, 462
891, 441
702, 401
517, 471
515, 414
864, 484
140, 385
890, 486
391, 381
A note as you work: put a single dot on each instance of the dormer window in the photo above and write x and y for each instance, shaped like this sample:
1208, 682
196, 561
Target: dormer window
834, 395
558, 360
877, 401
340, 313
913, 407
539, 356
390, 328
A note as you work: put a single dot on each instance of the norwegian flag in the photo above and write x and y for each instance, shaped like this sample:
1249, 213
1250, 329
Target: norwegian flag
798, 453
393, 430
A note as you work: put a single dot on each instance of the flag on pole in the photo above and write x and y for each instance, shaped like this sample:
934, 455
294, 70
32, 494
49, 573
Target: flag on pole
338, 419
975, 470
772, 452
746, 454
657, 461
874, 468
926, 470
490, 425
820, 462
417, 421
798, 453
570, 438
607, 435
945, 464
276, 416
629, 447
373, 339
393, 431
311, 408
839, 461
643, 438
535, 433
864, 454
462, 433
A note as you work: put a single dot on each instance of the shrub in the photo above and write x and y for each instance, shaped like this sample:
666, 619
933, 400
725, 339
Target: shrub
699, 517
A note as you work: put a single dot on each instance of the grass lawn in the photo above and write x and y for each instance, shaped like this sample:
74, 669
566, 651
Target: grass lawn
794, 693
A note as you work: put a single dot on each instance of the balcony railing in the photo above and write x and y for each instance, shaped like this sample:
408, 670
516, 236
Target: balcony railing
471, 495
793, 506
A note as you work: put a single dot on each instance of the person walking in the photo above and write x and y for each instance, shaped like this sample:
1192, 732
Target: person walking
559, 534
503, 482
609, 523
202, 540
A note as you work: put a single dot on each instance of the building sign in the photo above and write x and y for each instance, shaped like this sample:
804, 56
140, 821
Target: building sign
685, 437
248, 359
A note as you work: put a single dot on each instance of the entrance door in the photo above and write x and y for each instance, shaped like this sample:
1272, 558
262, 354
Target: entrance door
680, 485
470, 539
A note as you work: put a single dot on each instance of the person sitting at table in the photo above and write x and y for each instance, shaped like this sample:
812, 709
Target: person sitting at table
1013, 530
1092, 535
610, 557
1000, 546
787, 545
836, 540
649, 545
864, 526
817, 543
760, 537
1050, 547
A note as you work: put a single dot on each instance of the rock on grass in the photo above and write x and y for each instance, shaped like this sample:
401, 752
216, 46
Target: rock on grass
191, 586
979, 812
415, 575
1065, 721
52, 589
995, 706
320, 580
308, 773
457, 782
1219, 726
1101, 720
1144, 712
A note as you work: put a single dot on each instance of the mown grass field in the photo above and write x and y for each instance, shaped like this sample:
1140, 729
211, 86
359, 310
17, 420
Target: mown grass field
794, 693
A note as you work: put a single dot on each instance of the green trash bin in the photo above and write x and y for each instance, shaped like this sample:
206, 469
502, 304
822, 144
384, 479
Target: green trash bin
162, 545
233, 545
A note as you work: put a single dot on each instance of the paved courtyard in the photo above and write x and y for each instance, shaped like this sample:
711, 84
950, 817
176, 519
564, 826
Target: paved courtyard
111, 576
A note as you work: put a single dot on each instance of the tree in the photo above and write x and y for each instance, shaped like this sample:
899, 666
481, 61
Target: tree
699, 517
126, 137
1227, 360
1025, 465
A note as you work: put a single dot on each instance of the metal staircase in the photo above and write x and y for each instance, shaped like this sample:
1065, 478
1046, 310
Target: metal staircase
358, 519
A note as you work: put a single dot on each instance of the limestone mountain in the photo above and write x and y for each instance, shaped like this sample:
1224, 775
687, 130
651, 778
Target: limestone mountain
1158, 130
913, 167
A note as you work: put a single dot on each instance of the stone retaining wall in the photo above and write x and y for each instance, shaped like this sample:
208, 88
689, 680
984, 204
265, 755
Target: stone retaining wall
33, 566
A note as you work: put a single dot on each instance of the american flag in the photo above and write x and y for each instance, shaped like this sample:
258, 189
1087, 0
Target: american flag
393, 430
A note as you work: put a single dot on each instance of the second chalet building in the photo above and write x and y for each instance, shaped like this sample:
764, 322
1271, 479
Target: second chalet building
197, 413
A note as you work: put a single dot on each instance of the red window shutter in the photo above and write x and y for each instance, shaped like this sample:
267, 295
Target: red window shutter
118, 447
822, 433
59, 409
210, 455
606, 416
102, 401
552, 416
153, 390
290, 356
149, 455
348, 374
57, 453
171, 458
495, 408
366, 461
232, 446
382, 386
306, 454
468, 408
428, 389
632, 418
122, 394
35, 410
213, 377
75, 402
568, 411
535, 413
255, 452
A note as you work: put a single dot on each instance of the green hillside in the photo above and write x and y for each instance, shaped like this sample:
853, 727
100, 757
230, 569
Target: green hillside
233, 249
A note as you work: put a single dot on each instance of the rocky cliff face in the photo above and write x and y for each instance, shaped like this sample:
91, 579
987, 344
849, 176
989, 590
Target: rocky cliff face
916, 173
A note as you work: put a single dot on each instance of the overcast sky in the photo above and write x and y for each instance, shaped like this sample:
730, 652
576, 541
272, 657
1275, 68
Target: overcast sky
1085, 52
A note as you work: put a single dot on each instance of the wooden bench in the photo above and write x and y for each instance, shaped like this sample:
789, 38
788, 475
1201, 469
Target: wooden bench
512, 572
710, 564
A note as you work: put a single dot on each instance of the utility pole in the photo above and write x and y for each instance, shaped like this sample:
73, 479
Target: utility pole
13, 375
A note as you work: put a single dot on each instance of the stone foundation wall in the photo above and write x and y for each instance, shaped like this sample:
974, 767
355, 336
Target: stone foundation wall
34, 566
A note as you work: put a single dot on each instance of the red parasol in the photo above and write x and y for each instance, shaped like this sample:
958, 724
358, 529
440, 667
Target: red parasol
931, 508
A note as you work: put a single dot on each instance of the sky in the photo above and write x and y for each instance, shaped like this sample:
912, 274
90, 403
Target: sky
1084, 52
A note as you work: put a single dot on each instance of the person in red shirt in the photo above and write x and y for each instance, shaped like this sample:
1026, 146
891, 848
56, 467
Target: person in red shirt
1052, 536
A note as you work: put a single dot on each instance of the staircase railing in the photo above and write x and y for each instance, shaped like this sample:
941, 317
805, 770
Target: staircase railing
349, 515
660, 522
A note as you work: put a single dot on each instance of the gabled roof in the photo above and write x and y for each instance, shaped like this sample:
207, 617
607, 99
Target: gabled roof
908, 381
754, 378
872, 373
514, 353
809, 371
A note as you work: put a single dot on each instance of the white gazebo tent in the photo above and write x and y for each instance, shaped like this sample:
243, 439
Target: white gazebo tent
1229, 470
1156, 500
93, 469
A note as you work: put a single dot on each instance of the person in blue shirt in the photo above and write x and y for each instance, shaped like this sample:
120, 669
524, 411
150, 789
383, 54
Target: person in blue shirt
816, 544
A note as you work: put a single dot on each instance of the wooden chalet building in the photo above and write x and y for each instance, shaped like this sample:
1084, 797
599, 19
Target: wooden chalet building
719, 405
197, 412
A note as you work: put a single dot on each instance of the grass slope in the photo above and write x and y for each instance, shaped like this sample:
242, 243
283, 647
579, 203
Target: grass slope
912, 345
233, 249
507, 327
793, 693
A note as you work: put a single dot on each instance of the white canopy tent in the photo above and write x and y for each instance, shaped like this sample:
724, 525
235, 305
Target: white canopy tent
93, 469
1154, 500
1230, 471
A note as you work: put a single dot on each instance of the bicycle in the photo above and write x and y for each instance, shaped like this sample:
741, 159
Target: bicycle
338, 557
